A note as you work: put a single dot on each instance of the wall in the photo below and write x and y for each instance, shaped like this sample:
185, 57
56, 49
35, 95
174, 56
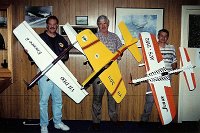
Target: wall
18, 102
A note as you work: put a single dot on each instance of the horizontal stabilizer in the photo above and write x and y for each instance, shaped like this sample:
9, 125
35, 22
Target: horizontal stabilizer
71, 33
187, 69
128, 39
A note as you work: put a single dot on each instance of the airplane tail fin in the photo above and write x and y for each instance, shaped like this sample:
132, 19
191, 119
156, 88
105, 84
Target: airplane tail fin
71, 33
129, 40
187, 69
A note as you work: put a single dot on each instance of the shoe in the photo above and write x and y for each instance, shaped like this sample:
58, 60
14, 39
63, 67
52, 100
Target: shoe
62, 126
44, 129
94, 127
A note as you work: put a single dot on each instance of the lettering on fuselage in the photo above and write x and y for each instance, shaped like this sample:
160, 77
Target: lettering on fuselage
64, 80
34, 46
111, 80
150, 52
164, 106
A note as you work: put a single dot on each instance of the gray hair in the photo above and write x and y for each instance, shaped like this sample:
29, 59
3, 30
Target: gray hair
102, 17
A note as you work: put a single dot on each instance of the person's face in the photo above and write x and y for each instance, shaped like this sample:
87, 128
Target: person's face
103, 26
52, 26
163, 37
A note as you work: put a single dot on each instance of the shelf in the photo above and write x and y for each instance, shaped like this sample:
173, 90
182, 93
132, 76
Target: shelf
5, 83
4, 72
78, 29
6, 54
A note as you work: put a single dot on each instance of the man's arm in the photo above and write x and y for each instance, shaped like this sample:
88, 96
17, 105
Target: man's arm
174, 65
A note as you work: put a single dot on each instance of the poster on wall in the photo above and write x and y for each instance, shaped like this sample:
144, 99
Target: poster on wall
139, 20
36, 16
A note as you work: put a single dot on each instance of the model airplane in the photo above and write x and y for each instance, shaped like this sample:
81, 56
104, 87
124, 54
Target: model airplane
100, 58
158, 76
49, 63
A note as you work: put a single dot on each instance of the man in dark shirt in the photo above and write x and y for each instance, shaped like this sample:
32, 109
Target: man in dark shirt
46, 87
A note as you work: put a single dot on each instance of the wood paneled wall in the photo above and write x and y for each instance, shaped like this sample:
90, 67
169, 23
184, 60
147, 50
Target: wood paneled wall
18, 102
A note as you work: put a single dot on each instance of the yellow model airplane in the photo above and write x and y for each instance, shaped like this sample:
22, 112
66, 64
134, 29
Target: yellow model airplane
103, 61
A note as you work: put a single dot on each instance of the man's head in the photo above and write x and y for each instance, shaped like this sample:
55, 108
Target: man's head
103, 23
163, 36
52, 24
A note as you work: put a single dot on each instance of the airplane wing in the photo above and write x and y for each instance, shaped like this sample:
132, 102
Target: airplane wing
114, 79
43, 56
188, 71
99, 55
158, 77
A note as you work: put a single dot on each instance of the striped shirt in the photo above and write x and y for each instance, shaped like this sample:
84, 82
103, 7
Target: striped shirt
169, 56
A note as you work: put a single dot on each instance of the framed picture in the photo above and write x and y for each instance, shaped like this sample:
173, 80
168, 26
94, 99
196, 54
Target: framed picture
81, 20
139, 20
3, 18
36, 16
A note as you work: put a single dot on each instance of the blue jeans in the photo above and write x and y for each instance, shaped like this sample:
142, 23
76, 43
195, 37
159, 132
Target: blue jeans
47, 88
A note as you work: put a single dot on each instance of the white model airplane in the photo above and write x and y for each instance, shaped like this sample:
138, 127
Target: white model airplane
49, 63
158, 76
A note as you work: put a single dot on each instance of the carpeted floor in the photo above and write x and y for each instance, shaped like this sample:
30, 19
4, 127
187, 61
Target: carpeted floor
32, 126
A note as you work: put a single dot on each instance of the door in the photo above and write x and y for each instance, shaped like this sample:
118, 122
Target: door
189, 101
